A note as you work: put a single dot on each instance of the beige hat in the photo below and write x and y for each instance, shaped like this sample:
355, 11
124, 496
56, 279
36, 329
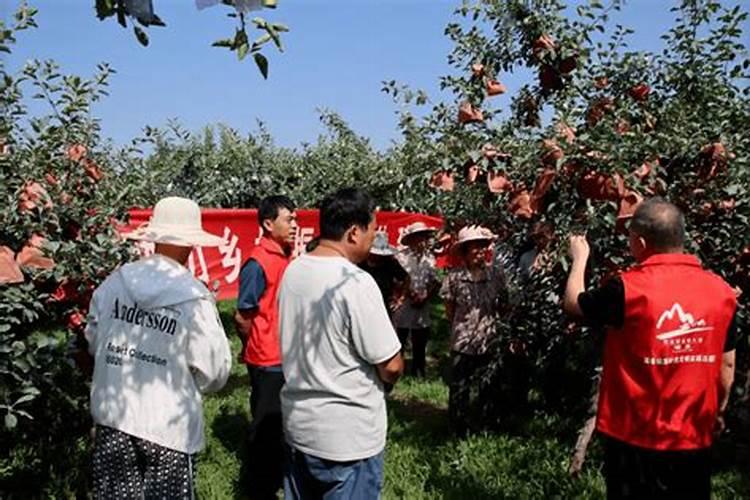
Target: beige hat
416, 228
381, 246
176, 221
473, 233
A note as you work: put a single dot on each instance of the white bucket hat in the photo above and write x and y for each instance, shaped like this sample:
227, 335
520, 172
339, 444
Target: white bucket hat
473, 233
176, 221
416, 228
380, 245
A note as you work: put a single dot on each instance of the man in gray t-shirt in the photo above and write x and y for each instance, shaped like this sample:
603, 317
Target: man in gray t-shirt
338, 349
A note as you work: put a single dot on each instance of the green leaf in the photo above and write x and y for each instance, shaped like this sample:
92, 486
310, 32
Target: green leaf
265, 38
121, 17
141, 36
262, 63
242, 51
224, 42
275, 36
10, 421
156, 21
240, 38
22, 365
24, 414
24, 399
104, 8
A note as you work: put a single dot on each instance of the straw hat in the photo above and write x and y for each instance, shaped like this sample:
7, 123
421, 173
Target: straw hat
176, 221
473, 233
416, 228
381, 246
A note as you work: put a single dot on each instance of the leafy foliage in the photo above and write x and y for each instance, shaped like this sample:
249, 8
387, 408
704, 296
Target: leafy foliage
219, 168
60, 200
142, 13
598, 128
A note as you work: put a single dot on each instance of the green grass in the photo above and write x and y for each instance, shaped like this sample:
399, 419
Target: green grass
423, 459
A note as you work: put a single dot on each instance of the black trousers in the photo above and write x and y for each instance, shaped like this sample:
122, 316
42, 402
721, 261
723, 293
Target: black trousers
631, 472
419, 338
465, 389
265, 436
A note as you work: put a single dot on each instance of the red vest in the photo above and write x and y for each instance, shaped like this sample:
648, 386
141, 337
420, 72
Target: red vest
262, 347
660, 382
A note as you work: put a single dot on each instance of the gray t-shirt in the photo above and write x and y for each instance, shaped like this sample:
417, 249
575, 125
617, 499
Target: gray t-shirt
334, 328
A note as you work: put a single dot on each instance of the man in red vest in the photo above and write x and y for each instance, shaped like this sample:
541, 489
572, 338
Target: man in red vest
668, 359
257, 322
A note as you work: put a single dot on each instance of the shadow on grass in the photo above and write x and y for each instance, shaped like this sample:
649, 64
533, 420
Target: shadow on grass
461, 486
231, 431
731, 453
426, 426
415, 420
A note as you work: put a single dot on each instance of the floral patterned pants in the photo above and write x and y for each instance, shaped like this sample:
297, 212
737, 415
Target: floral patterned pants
127, 467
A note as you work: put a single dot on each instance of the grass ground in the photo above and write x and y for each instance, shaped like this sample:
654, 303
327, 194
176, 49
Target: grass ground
423, 459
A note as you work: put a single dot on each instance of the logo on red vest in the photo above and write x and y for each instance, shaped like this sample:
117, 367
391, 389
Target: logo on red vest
683, 325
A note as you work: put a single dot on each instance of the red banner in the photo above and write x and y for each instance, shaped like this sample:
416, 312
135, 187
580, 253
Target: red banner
219, 267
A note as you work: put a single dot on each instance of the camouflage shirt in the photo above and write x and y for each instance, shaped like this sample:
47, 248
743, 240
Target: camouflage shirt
423, 282
476, 306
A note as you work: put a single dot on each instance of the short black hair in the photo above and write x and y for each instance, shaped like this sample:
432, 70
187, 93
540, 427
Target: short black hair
343, 209
660, 223
269, 207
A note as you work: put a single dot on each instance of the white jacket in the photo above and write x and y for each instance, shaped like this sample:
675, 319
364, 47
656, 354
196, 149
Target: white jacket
158, 343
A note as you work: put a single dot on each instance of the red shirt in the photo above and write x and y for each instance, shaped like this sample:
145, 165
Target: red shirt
262, 346
660, 382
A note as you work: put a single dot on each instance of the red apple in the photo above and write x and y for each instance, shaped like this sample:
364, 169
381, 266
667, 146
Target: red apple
494, 87
639, 92
568, 64
542, 45
77, 152
469, 114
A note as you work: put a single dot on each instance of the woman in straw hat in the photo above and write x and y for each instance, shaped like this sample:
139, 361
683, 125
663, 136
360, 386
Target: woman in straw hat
412, 316
158, 345
474, 295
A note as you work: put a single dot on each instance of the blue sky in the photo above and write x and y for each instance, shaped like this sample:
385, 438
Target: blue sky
337, 55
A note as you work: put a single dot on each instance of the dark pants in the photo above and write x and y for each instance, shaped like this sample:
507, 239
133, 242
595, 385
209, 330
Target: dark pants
465, 378
313, 478
419, 337
631, 472
265, 437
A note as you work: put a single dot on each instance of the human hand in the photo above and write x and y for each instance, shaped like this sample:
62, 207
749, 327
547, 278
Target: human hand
719, 426
578, 247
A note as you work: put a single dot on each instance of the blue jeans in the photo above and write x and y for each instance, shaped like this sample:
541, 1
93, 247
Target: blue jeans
312, 478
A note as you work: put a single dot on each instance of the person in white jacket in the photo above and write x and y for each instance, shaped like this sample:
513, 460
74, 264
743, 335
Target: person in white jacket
158, 344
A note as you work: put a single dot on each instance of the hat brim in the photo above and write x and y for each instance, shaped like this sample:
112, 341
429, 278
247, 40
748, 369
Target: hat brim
418, 231
457, 244
183, 238
384, 252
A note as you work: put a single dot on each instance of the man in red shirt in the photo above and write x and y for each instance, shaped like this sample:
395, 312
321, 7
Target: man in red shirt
257, 323
668, 362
